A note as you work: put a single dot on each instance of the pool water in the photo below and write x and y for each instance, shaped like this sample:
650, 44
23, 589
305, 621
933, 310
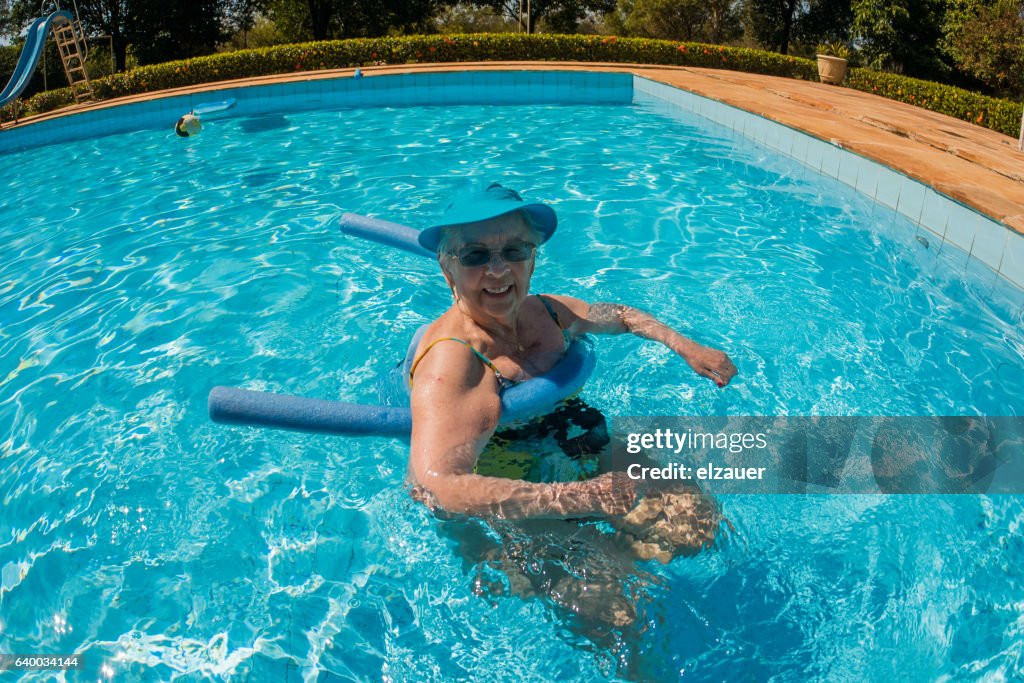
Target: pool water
140, 270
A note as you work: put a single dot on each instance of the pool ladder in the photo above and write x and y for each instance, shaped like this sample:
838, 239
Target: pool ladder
73, 52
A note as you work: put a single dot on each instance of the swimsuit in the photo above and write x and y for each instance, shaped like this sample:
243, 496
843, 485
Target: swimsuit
503, 382
578, 429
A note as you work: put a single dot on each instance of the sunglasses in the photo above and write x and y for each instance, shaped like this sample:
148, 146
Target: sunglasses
475, 257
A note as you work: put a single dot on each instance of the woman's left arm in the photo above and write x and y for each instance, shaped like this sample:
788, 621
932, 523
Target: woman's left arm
606, 318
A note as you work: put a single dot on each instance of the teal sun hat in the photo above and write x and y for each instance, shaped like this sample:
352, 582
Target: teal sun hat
476, 206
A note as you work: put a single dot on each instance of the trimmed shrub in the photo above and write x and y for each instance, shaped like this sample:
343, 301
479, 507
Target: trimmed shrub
999, 115
338, 54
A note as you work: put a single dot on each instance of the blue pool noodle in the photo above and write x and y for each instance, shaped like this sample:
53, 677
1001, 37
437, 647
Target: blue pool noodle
525, 400
261, 409
384, 232
529, 399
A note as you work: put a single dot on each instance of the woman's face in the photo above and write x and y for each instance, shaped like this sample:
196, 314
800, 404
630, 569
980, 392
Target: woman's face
497, 287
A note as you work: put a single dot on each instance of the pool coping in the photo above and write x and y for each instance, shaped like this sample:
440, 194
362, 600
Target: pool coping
978, 167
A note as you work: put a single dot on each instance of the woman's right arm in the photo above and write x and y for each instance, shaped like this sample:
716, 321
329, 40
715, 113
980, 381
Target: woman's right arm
455, 410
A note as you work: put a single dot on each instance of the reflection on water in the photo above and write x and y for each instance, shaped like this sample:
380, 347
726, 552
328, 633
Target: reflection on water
165, 547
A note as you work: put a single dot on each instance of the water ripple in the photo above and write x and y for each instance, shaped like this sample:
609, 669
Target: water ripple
163, 546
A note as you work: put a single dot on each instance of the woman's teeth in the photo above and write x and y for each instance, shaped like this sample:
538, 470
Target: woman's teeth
499, 290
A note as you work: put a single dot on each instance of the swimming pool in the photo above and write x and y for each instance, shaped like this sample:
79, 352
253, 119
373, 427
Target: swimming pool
160, 545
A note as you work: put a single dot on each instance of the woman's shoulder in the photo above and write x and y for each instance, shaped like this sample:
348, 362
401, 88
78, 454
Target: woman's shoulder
447, 325
564, 299
442, 351
567, 308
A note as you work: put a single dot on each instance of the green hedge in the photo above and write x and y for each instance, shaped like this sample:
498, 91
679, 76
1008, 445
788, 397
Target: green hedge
520, 47
415, 49
999, 115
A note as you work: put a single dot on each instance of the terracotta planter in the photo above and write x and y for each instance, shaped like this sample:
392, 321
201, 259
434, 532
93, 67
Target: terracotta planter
831, 69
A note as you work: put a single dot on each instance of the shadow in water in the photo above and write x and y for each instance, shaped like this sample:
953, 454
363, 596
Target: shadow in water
592, 576
261, 124
260, 178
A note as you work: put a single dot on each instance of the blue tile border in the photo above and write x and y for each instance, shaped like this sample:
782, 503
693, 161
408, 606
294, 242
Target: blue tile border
984, 244
387, 90
911, 199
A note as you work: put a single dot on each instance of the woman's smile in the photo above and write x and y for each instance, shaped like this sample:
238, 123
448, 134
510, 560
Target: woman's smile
498, 291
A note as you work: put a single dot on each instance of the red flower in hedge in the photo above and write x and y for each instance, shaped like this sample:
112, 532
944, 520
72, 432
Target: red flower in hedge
610, 40
373, 55
682, 48
433, 49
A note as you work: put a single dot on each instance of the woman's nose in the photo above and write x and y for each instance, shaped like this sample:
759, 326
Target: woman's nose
496, 264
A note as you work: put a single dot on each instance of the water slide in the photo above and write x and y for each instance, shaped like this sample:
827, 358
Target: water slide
30, 54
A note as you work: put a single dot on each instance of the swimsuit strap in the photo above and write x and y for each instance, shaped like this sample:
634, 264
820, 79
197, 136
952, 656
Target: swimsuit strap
503, 382
554, 316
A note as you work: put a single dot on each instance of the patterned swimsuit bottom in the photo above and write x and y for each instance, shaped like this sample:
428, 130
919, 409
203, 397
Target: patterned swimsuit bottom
579, 431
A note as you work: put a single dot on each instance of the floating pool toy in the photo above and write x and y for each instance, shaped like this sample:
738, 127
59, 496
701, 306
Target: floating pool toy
532, 398
187, 126
213, 107
357, 75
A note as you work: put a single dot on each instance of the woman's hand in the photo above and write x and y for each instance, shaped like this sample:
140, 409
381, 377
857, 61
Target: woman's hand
709, 362
668, 523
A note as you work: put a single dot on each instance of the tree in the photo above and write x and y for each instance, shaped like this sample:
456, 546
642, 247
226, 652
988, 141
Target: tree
99, 17
712, 21
464, 17
901, 35
825, 21
782, 24
157, 30
239, 17
990, 46
723, 22
161, 31
263, 33
303, 20
560, 16
878, 26
771, 22
49, 72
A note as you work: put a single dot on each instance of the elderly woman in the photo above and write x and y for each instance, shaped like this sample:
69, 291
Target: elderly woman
497, 334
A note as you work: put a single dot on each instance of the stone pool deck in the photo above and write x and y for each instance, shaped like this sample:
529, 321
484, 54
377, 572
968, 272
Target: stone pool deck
976, 166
